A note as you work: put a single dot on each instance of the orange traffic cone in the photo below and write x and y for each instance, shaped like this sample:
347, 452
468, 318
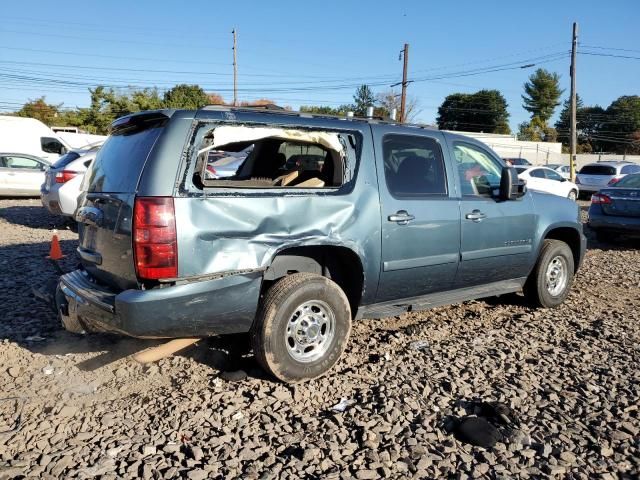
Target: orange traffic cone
56, 252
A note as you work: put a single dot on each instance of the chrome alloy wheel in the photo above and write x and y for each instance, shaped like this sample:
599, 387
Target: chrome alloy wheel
556, 276
310, 331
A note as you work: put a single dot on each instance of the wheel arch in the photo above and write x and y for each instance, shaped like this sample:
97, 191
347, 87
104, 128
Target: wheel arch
569, 235
337, 262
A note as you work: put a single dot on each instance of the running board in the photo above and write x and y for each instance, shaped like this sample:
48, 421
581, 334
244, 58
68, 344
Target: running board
425, 302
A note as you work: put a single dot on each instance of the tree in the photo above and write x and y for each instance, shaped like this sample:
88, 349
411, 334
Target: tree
542, 94
390, 99
326, 110
483, 111
41, 110
620, 124
536, 130
185, 96
362, 99
588, 122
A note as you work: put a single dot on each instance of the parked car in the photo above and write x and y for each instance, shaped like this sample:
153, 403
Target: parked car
397, 218
21, 174
517, 161
594, 176
615, 210
61, 186
30, 136
225, 164
563, 170
543, 179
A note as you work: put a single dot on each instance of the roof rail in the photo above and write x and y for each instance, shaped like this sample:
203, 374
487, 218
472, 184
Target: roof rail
271, 108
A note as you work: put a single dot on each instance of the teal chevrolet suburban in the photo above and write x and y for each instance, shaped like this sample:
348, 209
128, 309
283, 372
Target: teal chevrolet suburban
325, 221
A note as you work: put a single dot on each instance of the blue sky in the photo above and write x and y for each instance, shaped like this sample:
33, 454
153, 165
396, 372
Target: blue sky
310, 52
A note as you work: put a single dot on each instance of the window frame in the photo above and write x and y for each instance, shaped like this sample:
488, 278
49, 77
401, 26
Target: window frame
488, 153
40, 165
445, 194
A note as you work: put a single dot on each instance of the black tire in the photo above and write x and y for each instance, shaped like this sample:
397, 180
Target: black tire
536, 289
269, 332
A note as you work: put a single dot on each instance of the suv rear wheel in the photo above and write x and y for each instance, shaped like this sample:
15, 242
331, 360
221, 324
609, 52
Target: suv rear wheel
302, 327
549, 283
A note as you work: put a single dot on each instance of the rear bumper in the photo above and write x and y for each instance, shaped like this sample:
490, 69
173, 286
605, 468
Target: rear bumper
202, 308
52, 201
599, 221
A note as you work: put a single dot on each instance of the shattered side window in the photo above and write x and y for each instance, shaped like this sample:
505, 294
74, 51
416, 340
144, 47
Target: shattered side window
265, 157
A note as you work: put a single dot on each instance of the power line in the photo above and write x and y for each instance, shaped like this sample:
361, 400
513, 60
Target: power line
609, 55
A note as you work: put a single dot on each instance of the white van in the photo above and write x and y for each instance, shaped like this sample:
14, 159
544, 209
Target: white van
28, 135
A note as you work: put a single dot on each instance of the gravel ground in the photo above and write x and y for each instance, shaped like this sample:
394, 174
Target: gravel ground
570, 374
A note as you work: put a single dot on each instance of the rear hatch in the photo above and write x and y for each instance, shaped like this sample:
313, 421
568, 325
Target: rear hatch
624, 202
599, 175
57, 167
106, 207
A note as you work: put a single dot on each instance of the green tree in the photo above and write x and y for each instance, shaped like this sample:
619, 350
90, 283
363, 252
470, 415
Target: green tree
620, 125
589, 120
186, 96
325, 110
542, 94
483, 111
362, 99
537, 130
40, 110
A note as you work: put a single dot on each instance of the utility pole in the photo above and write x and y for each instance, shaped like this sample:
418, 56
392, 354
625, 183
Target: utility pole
235, 68
403, 98
574, 135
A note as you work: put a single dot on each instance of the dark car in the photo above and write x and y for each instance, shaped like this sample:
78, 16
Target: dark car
616, 210
326, 221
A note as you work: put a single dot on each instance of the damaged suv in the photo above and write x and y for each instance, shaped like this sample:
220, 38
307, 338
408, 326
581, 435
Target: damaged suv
323, 222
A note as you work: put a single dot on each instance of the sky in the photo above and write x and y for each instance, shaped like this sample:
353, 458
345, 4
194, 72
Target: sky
316, 52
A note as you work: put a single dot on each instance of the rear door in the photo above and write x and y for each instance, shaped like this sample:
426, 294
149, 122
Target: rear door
420, 215
537, 180
496, 235
106, 208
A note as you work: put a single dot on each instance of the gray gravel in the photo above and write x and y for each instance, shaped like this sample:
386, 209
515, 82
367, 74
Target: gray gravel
570, 374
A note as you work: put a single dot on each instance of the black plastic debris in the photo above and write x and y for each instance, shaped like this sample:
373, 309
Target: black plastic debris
491, 422
234, 376
477, 431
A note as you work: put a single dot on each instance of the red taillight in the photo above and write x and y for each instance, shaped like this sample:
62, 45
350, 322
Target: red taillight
65, 175
155, 244
613, 181
600, 198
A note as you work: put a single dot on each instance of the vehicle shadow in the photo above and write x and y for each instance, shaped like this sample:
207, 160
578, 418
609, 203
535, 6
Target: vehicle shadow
34, 216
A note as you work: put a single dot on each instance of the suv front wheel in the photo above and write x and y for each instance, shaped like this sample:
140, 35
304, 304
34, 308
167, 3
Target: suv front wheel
302, 327
549, 283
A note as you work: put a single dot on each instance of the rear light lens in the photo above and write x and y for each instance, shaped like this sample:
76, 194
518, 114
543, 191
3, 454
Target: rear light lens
600, 199
65, 175
613, 181
154, 238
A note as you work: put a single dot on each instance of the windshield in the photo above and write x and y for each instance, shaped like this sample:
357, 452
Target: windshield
597, 170
630, 181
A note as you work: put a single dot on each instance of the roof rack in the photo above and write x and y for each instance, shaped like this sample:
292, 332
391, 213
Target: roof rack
276, 109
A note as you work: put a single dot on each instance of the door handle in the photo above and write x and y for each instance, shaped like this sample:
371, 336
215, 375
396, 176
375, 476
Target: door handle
402, 217
475, 215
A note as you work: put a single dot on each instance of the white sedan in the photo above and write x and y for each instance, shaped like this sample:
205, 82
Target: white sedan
21, 174
543, 179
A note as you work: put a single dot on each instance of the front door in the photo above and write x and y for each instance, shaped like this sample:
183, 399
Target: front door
23, 175
420, 215
496, 235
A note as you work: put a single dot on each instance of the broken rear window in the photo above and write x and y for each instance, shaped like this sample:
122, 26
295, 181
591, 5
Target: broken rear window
271, 157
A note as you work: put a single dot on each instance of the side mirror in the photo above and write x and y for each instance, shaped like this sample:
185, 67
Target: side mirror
511, 187
563, 179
